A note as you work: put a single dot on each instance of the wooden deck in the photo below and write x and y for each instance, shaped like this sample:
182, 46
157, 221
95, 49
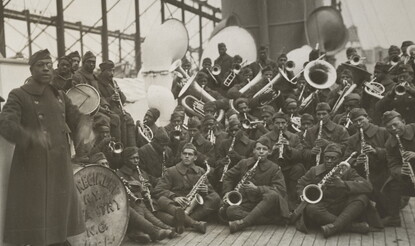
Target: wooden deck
279, 235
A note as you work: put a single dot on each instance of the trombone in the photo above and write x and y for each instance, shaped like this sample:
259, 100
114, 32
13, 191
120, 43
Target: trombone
213, 72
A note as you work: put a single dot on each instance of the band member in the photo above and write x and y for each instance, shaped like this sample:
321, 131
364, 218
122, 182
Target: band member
286, 153
38, 118
149, 120
352, 53
141, 219
392, 52
202, 80
318, 138
110, 91
267, 111
212, 132
400, 154
213, 81
246, 77
307, 122
173, 189
205, 149
232, 150
75, 60
403, 102
282, 60
346, 78
351, 101
253, 130
224, 61
291, 109
85, 75
211, 109
62, 78
263, 192
175, 130
405, 57
1, 100
263, 61
344, 197
372, 154
99, 159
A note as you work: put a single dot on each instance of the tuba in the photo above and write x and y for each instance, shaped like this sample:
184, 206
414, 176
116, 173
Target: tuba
193, 97
234, 197
145, 131
313, 193
194, 197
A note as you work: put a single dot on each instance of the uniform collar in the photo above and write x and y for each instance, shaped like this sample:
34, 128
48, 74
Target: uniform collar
320, 169
33, 88
274, 135
263, 166
127, 170
408, 134
330, 125
183, 169
371, 131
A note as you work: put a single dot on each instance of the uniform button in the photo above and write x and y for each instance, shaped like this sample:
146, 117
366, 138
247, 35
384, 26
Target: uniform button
60, 100
395, 98
45, 132
40, 116
409, 96
407, 108
36, 102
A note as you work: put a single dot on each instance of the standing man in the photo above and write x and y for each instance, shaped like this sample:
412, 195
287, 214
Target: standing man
263, 194
224, 60
262, 61
62, 78
75, 60
42, 204
85, 75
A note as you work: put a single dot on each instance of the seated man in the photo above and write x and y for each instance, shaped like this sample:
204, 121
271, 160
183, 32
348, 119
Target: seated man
172, 191
400, 154
149, 120
142, 224
264, 198
99, 159
344, 197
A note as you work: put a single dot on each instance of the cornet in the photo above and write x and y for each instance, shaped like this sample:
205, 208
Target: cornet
248, 124
356, 60
400, 89
213, 72
289, 66
116, 147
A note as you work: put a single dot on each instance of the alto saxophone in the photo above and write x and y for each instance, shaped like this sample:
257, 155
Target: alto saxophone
194, 197
228, 160
234, 197
146, 190
362, 145
405, 162
320, 132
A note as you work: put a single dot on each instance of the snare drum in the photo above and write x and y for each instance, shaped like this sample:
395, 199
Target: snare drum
86, 97
104, 205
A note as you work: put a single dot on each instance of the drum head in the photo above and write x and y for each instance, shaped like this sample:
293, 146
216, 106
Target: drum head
104, 205
85, 97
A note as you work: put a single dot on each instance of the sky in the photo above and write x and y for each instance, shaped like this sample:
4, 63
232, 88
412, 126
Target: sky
380, 23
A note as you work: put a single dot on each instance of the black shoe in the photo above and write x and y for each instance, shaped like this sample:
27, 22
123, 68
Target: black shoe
162, 234
391, 221
172, 234
200, 226
361, 228
404, 202
236, 225
328, 230
179, 217
139, 237
223, 217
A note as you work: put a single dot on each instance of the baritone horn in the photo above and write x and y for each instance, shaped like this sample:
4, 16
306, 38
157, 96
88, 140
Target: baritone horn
116, 147
289, 66
374, 89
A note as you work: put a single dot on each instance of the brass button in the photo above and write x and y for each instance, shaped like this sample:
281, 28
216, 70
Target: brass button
40, 116
36, 102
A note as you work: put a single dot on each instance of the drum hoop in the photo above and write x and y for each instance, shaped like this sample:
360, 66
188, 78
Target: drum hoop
122, 187
91, 87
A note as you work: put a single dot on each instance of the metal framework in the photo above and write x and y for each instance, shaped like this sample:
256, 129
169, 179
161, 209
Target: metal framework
60, 24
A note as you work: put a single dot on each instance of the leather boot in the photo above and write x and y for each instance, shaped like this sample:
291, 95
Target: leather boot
223, 217
329, 230
200, 226
160, 235
139, 237
361, 228
236, 225
179, 219
392, 221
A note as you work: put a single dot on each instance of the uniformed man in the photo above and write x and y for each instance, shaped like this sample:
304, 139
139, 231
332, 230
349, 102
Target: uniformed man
372, 152
213, 81
75, 60
351, 101
401, 182
307, 121
344, 200
262, 61
141, 219
62, 78
291, 109
212, 132
172, 190
286, 152
224, 61
263, 192
149, 120
85, 75
99, 159
331, 132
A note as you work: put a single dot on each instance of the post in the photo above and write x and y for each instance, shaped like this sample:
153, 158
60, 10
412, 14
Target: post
263, 23
137, 40
29, 32
104, 34
60, 30
200, 33
183, 12
119, 44
81, 37
2, 35
162, 11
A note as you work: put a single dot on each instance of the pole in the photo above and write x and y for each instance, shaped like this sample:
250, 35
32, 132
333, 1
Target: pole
60, 30
104, 34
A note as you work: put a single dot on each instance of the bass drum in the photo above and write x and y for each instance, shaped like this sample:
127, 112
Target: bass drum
104, 205
86, 97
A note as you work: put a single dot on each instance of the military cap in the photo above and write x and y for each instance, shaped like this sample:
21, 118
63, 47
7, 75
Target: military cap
97, 157
66, 58
390, 115
201, 75
267, 109
39, 55
154, 112
74, 54
240, 100
266, 68
280, 115
352, 97
161, 136
347, 72
262, 48
207, 59
231, 112
177, 114
107, 65
356, 112
210, 106
288, 101
406, 43
307, 117
393, 49
221, 45
128, 152
264, 141
193, 122
323, 106
283, 55
233, 121
88, 55
350, 51
333, 147
189, 146
208, 118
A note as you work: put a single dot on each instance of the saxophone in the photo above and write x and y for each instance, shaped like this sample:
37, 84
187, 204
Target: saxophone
194, 197
405, 162
362, 145
146, 190
320, 132
234, 197
228, 160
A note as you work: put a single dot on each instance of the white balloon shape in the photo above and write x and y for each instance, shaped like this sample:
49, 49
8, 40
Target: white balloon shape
162, 99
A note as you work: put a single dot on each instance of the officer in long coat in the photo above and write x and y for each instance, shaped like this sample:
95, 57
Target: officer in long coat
42, 204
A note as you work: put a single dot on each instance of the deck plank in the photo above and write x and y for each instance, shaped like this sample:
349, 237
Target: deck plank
298, 238
332, 241
378, 238
288, 236
319, 240
344, 239
356, 240
266, 236
401, 233
409, 220
309, 239
390, 236
278, 234
210, 236
246, 233
255, 235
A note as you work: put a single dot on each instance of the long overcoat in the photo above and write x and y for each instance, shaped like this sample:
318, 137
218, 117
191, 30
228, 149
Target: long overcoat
42, 203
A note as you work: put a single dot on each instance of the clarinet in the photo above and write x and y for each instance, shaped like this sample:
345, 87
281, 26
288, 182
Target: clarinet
281, 148
228, 160
362, 145
146, 190
320, 132
405, 162
163, 165
130, 194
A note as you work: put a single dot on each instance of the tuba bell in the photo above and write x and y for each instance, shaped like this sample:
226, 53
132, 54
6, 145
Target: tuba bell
193, 97
320, 74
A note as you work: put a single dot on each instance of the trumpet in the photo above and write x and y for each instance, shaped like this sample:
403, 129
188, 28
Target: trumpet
228, 160
234, 197
289, 66
251, 124
405, 163
116, 147
313, 193
356, 60
400, 89
320, 132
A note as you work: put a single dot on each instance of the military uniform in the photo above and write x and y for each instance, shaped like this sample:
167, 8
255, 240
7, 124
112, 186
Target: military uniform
205, 150
152, 159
